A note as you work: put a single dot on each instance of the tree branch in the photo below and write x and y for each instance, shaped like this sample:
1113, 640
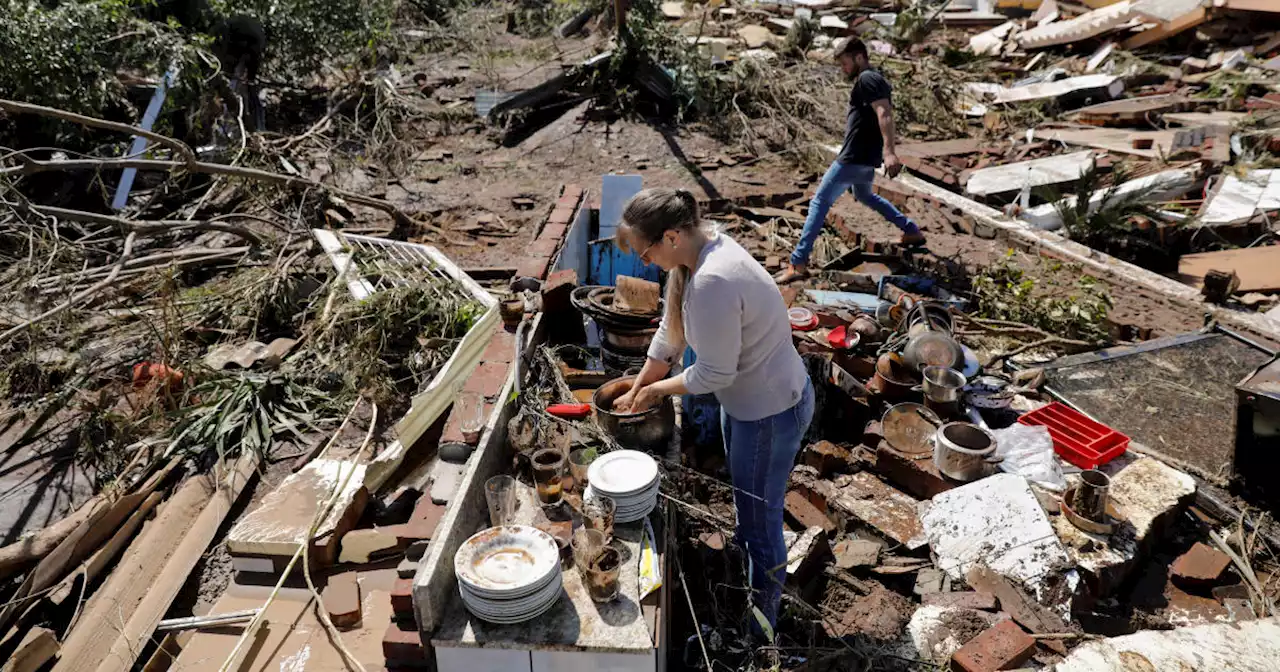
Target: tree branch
13, 106
30, 166
88, 293
148, 228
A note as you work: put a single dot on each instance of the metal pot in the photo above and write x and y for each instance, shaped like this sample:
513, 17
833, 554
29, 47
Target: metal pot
988, 392
893, 380
933, 348
649, 430
963, 452
636, 341
943, 385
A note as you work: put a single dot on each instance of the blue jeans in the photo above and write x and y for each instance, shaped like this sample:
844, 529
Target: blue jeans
839, 177
760, 457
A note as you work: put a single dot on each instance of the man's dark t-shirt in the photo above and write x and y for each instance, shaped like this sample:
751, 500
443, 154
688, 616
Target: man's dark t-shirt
863, 142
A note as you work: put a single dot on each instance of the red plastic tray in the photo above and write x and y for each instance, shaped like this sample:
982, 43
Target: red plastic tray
1078, 439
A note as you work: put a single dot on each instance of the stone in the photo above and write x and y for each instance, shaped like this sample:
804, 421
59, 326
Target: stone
852, 553
445, 479
1004, 646
873, 502
755, 36
1248, 646
341, 598
935, 633
805, 515
359, 546
961, 600
1202, 565
929, 580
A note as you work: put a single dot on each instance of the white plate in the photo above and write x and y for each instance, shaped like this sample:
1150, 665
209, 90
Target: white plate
511, 620
623, 500
622, 472
632, 517
507, 562
510, 608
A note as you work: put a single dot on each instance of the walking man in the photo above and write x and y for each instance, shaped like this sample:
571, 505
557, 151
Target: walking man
869, 140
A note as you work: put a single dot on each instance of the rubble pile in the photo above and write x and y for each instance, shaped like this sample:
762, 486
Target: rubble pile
1142, 129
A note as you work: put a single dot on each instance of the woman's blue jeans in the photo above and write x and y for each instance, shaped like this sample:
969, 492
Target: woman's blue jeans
760, 457
839, 177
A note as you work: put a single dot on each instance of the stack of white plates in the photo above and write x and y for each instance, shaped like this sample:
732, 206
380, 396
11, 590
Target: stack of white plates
509, 574
630, 478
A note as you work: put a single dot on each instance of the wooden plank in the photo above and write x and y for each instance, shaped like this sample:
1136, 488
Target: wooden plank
122, 615
1132, 110
1257, 267
939, 148
195, 541
105, 555
37, 648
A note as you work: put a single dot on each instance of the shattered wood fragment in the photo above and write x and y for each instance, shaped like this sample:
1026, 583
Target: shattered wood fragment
869, 500
37, 647
636, 294
1030, 614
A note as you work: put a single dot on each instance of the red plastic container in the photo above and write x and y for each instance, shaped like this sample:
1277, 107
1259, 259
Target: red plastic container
1078, 439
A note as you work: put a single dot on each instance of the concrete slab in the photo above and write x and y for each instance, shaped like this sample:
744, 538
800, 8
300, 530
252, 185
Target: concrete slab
282, 519
996, 522
1251, 646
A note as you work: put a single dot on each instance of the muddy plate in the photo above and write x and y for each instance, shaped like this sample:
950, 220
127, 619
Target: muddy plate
507, 562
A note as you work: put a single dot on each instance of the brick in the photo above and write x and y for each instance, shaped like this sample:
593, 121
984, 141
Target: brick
544, 247
424, 521
406, 569
342, 600
1003, 647
965, 600
929, 580
827, 458
553, 232
534, 266
919, 478
402, 645
1202, 565
488, 379
805, 514
560, 215
501, 348
402, 598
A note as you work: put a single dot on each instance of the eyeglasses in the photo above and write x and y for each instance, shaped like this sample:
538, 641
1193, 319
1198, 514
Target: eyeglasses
644, 254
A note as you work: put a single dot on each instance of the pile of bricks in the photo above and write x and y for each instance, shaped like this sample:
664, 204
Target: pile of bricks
542, 253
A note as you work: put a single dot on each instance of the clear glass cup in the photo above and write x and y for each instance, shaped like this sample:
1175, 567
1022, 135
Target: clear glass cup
500, 491
579, 461
601, 574
597, 514
548, 475
470, 409
586, 544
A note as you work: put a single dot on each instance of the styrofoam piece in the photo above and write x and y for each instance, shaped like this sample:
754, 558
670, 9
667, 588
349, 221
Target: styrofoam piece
1114, 86
1033, 173
1248, 646
1155, 187
996, 522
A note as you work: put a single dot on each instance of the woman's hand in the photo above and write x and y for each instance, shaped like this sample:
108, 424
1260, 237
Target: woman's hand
624, 403
645, 399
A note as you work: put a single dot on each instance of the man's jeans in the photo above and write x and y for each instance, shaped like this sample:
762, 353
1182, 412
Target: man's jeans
761, 455
839, 177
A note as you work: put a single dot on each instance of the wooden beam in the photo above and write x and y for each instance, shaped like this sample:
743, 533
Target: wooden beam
120, 617
37, 648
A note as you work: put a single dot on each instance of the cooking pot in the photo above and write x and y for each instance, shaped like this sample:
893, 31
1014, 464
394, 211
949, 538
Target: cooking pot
933, 348
943, 385
649, 430
893, 379
963, 452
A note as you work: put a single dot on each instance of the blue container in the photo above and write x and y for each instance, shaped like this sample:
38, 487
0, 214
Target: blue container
701, 413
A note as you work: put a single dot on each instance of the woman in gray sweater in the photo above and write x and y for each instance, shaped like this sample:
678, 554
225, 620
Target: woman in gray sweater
723, 304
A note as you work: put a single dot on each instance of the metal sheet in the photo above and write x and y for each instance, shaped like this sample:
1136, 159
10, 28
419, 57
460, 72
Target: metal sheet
1176, 397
